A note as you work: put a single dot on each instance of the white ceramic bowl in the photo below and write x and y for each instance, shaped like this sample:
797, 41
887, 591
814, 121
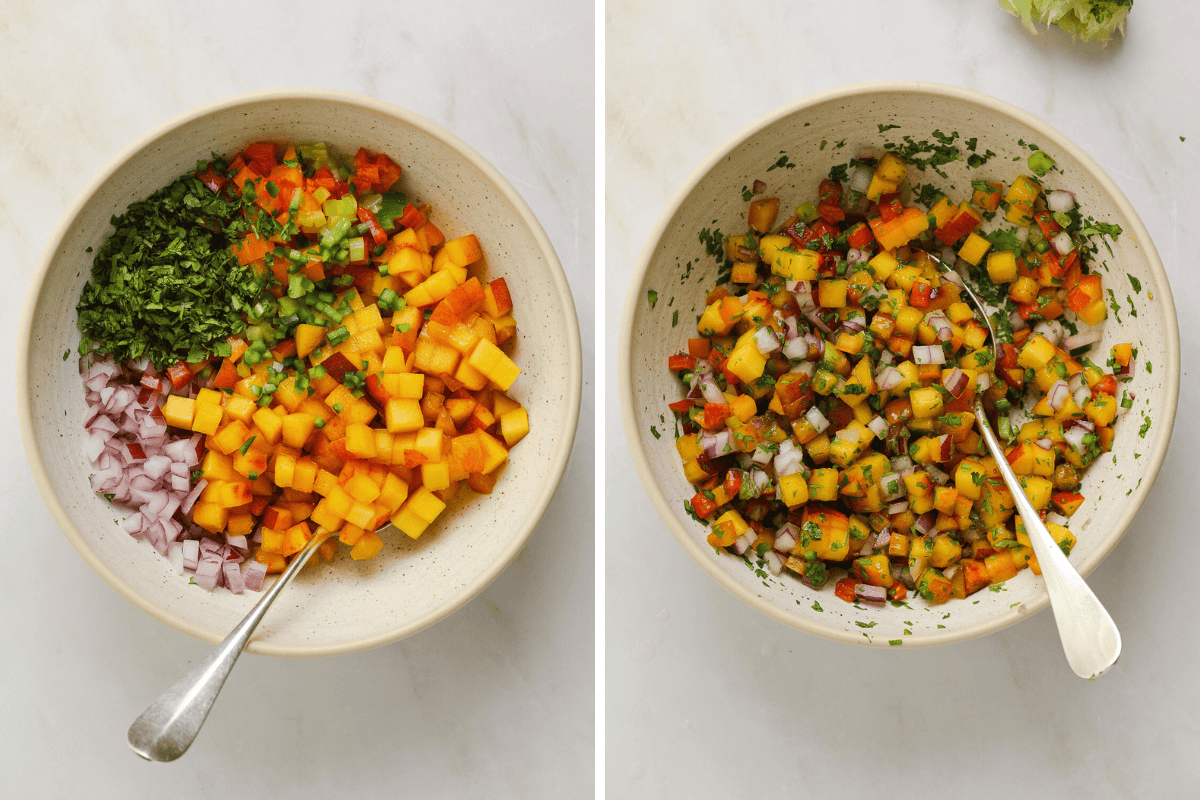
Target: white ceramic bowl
345, 605
675, 265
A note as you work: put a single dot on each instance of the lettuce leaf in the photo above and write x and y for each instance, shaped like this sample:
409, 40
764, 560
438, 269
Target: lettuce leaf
1087, 19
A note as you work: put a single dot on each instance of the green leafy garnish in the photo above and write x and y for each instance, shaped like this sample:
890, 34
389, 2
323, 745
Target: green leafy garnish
165, 284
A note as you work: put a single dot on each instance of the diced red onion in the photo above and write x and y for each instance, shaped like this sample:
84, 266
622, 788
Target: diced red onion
762, 456
928, 354
815, 319
1075, 341
868, 593
1063, 243
860, 178
1060, 200
878, 426
891, 487
1052, 329
889, 378
773, 562
1045, 444
939, 477
1057, 395
796, 349
925, 522
817, 419
1015, 322
1074, 437
710, 391
787, 537
956, 382
789, 459
791, 327
940, 324
744, 541
766, 341
1081, 395
899, 507
984, 381
254, 574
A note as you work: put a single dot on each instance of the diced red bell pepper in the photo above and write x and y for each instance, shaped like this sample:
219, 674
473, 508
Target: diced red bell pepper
179, 374
681, 406
921, 293
890, 207
699, 347
226, 377
260, 157
719, 360
732, 483
703, 506
715, 414
681, 362
829, 191
413, 217
859, 236
1045, 222
844, 589
897, 592
378, 235
1107, 384
1087, 292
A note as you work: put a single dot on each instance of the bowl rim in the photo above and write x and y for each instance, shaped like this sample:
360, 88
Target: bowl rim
555, 467
637, 450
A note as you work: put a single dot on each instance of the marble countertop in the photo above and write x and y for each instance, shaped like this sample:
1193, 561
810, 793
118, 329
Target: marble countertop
494, 701
705, 697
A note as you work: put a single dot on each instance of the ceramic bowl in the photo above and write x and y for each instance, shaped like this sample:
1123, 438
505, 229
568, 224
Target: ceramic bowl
344, 605
791, 150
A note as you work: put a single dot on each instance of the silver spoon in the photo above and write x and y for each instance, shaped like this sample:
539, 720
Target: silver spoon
1089, 636
168, 727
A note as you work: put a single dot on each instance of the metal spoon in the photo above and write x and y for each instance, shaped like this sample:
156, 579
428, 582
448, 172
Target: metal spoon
167, 728
1089, 636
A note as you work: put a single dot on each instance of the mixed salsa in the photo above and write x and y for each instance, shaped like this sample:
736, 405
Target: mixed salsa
827, 424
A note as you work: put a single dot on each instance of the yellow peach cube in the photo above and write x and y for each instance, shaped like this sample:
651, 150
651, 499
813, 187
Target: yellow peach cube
403, 415
179, 411
362, 488
435, 476
269, 425
514, 426
360, 440
296, 428
492, 362
367, 546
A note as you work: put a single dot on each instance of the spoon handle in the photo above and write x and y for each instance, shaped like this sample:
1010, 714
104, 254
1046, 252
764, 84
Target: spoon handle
166, 729
1089, 636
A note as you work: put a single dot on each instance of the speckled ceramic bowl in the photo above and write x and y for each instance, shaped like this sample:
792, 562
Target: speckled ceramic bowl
344, 605
791, 150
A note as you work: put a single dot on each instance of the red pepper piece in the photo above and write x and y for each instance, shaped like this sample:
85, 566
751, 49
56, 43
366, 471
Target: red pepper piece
179, 375
703, 506
681, 362
378, 235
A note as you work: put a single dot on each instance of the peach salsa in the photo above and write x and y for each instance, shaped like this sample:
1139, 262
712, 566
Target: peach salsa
282, 341
827, 423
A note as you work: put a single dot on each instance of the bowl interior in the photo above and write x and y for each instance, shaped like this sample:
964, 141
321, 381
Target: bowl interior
791, 151
343, 605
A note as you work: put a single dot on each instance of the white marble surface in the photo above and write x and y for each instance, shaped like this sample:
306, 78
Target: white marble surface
496, 700
707, 698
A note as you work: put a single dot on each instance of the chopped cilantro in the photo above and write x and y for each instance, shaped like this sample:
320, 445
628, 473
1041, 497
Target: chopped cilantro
165, 284
652, 296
